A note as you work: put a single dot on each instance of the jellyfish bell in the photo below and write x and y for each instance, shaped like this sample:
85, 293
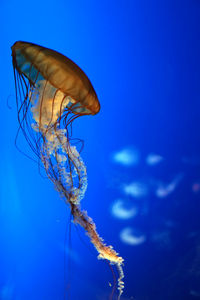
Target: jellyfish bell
51, 92
62, 74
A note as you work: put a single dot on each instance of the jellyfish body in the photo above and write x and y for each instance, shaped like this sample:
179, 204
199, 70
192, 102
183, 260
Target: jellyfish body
52, 91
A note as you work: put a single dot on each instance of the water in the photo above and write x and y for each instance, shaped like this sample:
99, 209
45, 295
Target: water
143, 60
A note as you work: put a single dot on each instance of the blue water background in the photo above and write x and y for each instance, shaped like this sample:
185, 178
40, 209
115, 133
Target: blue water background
143, 60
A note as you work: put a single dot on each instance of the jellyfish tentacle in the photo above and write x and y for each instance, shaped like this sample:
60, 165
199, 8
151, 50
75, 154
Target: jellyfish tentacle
105, 252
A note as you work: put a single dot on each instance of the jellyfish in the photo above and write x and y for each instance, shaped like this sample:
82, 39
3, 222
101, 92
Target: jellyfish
51, 92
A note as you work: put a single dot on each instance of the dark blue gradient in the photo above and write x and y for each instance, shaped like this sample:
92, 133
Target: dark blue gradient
143, 58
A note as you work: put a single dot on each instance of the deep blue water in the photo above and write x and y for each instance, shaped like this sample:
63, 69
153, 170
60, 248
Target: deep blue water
142, 153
